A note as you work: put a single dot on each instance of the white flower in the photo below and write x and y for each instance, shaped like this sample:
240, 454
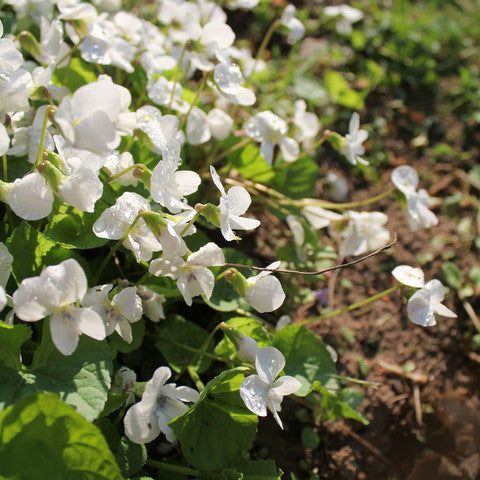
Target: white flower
124, 308
197, 127
297, 30
355, 137
270, 130
405, 178
228, 79
349, 15
247, 349
88, 118
152, 303
365, 232
116, 221
10, 58
261, 392
168, 185
54, 293
29, 197
319, 217
264, 292
219, 123
423, 305
161, 403
192, 275
232, 205
306, 123
412, 277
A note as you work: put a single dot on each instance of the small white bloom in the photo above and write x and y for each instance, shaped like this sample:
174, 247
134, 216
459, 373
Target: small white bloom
161, 403
405, 178
124, 308
117, 220
349, 15
54, 292
192, 275
365, 232
264, 291
319, 217
219, 123
412, 277
306, 124
247, 349
261, 392
270, 130
297, 30
29, 197
228, 79
283, 321
355, 137
232, 206
152, 304
423, 305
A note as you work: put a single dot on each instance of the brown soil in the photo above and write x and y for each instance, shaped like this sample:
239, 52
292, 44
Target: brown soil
424, 424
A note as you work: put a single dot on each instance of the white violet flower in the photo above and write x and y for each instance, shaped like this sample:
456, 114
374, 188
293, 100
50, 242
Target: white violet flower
54, 292
161, 402
355, 137
261, 392
232, 205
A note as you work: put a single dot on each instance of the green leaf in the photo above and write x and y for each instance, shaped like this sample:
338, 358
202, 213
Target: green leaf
340, 91
213, 434
259, 470
82, 379
342, 404
181, 331
78, 73
453, 275
250, 327
130, 457
32, 252
250, 164
474, 275
73, 228
12, 337
306, 356
297, 179
43, 438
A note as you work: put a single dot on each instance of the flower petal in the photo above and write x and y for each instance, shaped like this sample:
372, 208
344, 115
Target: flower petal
254, 394
269, 362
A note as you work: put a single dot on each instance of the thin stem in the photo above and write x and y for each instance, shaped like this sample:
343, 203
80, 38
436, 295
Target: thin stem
168, 467
232, 149
339, 206
126, 170
41, 147
70, 52
319, 272
322, 139
195, 100
175, 77
5, 167
354, 306
263, 45
190, 223
198, 351
257, 186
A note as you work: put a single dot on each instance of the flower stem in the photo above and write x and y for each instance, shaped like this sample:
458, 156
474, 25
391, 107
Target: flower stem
126, 170
349, 308
325, 135
43, 133
232, 149
198, 351
69, 53
263, 45
175, 77
195, 100
338, 206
